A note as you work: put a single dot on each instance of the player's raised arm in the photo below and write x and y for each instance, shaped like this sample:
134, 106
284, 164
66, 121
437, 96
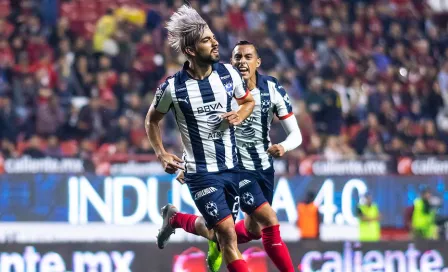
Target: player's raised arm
161, 105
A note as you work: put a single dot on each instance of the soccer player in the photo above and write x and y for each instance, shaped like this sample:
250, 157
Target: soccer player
255, 154
201, 95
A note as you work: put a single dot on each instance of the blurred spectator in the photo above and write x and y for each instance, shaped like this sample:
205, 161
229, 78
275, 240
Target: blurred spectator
8, 149
103, 37
424, 217
81, 79
369, 220
371, 76
49, 115
145, 63
370, 132
308, 222
121, 130
93, 120
333, 150
316, 104
53, 147
122, 90
443, 82
144, 148
122, 146
34, 149
333, 109
60, 32
235, 15
254, 17
8, 119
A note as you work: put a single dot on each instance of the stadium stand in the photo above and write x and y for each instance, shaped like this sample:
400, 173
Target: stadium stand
364, 81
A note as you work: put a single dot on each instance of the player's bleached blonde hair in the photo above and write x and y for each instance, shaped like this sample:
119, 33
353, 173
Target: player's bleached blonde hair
185, 28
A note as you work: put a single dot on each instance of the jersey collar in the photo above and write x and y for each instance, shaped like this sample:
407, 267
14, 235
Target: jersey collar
184, 74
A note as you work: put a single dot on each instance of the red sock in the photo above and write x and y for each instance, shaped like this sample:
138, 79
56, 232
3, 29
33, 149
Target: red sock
238, 266
185, 221
242, 234
276, 249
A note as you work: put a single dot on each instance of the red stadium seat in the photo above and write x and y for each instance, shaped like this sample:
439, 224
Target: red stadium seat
5, 9
69, 148
89, 29
88, 7
90, 17
77, 27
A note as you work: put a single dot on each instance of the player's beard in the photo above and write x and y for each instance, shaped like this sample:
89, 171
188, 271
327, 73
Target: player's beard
208, 58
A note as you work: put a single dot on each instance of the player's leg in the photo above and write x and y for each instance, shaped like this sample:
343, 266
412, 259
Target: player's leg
256, 196
219, 207
173, 219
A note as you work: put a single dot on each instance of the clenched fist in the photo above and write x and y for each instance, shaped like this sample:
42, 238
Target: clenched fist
276, 151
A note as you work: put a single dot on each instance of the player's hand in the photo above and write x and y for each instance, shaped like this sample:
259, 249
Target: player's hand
276, 151
181, 177
171, 163
233, 118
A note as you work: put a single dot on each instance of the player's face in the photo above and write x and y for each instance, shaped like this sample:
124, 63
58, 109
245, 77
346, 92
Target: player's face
246, 60
207, 49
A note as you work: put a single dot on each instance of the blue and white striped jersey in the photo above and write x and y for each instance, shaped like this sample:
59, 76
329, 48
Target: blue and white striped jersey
252, 135
208, 141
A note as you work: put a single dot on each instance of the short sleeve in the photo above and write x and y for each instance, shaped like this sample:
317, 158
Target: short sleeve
163, 99
240, 90
282, 103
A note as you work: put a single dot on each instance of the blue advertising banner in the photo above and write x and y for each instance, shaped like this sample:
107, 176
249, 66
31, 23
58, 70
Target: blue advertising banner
128, 200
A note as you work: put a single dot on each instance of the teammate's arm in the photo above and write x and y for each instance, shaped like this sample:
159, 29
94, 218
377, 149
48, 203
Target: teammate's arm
284, 112
246, 106
243, 97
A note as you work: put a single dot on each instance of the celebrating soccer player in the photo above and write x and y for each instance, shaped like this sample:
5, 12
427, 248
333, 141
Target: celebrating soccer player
255, 154
201, 95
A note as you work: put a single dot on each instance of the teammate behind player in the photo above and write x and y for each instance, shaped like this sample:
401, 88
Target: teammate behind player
255, 160
201, 95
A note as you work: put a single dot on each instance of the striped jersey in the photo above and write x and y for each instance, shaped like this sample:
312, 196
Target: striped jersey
253, 134
208, 140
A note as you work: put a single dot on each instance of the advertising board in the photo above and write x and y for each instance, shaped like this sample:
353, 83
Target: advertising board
307, 256
102, 203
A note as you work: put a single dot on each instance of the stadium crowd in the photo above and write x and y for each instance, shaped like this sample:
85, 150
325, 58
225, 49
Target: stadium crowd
367, 78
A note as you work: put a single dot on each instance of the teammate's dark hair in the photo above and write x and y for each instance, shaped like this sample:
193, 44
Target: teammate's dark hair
246, 43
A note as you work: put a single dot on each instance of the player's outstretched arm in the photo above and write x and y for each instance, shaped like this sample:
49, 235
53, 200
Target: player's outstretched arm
292, 141
170, 162
246, 106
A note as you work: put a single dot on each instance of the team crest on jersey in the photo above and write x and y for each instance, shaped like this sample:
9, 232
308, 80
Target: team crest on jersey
265, 104
158, 96
229, 88
159, 92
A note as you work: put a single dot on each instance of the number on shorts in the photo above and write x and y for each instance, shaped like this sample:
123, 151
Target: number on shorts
236, 205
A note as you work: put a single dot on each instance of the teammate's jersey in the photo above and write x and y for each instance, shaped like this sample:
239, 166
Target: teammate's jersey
253, 135
208, 141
